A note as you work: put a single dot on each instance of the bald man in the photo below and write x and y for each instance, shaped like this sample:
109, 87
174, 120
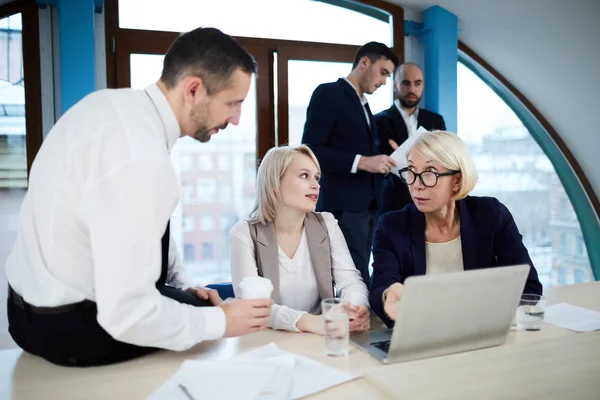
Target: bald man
398, 123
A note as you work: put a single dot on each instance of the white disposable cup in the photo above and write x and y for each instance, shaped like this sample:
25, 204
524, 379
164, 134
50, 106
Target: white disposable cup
255, 287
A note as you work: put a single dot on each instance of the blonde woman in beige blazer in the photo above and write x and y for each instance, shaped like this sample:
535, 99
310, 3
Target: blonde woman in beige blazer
303, 253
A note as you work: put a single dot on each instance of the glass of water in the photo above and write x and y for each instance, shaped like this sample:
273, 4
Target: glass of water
530, 313
336, 322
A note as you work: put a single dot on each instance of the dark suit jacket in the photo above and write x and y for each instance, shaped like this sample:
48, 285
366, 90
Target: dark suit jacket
336, 130
391, 125
489, 238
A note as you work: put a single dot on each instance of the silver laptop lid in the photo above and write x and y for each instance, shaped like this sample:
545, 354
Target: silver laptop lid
455, 312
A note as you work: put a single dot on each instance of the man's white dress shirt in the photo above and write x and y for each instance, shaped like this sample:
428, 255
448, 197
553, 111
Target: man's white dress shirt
298, 292
363, 102
411, 121
101, 191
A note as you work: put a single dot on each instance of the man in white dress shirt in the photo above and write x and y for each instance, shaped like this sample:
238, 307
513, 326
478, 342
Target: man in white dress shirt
94, 277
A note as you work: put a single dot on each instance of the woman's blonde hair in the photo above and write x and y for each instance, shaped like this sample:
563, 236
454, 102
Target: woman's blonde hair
450, 151
268, 178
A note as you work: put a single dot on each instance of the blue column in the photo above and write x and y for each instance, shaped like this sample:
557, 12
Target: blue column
441, 55
77, 50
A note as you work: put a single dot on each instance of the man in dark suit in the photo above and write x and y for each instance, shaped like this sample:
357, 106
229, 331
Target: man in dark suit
341, 131
398, 123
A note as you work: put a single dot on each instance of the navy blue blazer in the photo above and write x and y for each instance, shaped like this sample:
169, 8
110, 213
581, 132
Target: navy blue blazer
336, 129
489, 237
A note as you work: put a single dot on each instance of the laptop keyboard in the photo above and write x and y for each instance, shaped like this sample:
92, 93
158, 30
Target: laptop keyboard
383, 345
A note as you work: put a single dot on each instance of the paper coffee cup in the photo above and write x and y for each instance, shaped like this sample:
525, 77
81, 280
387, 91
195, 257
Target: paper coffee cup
255, 287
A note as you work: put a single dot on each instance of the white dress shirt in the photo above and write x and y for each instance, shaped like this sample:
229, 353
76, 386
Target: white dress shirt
101, 191
298, 291
411, 121
363, 101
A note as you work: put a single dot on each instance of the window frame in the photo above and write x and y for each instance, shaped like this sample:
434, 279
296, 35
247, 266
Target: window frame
571, 175
30, 34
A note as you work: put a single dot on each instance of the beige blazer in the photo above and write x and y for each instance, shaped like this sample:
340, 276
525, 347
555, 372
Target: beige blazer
266, 252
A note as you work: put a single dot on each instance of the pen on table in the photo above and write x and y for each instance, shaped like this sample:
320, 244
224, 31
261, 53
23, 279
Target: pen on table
187, 393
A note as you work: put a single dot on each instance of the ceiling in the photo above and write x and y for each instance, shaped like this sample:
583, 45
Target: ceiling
549, 50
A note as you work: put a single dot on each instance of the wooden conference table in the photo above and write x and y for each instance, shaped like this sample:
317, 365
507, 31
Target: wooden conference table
551, 363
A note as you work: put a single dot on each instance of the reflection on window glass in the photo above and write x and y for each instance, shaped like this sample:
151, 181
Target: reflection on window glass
305, 76
13, 158
513, 168
275, 19
217, 180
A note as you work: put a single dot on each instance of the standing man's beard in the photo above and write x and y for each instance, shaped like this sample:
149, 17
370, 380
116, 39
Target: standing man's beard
409, 103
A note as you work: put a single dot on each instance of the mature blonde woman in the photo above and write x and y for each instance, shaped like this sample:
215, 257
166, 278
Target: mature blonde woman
445, 230
303, 253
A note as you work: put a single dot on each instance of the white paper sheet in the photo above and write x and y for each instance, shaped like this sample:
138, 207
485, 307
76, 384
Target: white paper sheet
266, 373
280, 384
572, 317
309, 376
216, 380
401, 153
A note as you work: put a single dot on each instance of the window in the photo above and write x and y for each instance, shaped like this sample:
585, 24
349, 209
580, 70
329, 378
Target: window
207, 222
206, 190
513, 168
579, 245
13, 155
188, 252
188, 193
290, 19
224, 162
185, 163
187, 223
564, 242
205, 162
579, 276
225, 192
207, 251
249, 168
221, 176
225, 222
562, 275
564, 205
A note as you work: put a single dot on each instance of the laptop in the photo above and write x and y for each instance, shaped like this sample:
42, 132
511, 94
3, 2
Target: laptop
449, 313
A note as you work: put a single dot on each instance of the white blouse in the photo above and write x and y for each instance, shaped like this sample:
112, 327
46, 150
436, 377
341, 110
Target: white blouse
444, 257
297, 282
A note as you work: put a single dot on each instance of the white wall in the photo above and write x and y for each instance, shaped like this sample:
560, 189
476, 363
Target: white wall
550, 51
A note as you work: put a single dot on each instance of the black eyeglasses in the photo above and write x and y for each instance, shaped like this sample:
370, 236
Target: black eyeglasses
427, 178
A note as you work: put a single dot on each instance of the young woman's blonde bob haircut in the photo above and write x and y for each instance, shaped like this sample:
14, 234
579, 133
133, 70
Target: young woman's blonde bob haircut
449, 150
268, 178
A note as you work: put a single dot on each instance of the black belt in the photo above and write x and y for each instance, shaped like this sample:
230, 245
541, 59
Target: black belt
18, 301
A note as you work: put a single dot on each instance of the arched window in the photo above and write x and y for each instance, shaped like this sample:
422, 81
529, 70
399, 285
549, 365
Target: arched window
514, 167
